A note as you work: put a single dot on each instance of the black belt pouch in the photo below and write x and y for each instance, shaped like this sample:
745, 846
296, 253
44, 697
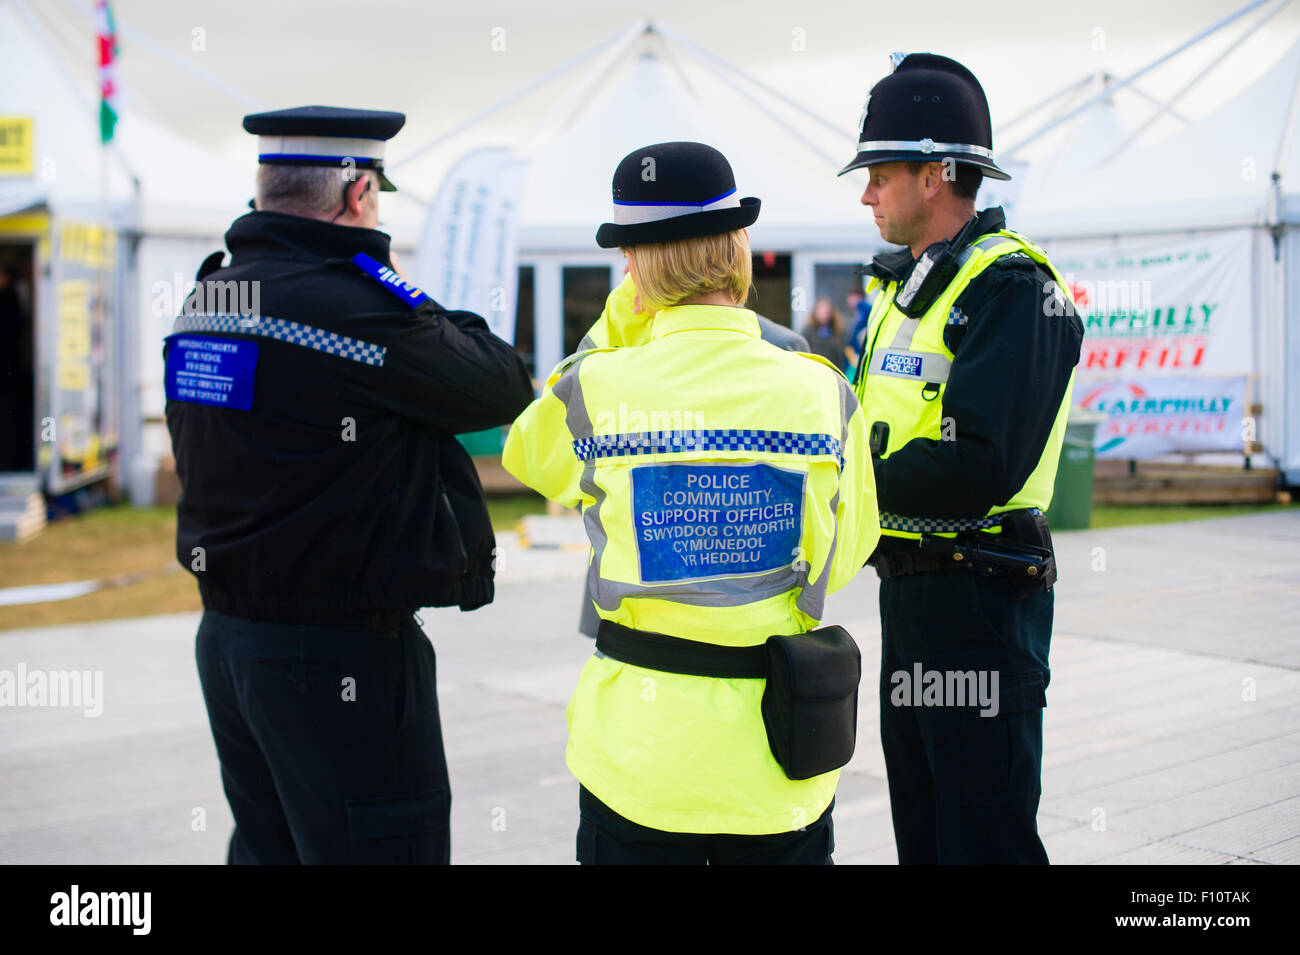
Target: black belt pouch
810, 703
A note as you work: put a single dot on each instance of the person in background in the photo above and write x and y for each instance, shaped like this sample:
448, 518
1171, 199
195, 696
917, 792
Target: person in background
824, 331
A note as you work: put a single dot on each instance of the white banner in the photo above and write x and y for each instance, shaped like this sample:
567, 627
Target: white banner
1168, 339
1162, 306
469, 250
1147, 417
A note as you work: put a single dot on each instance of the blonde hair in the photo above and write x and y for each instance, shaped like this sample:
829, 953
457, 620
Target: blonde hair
667, 272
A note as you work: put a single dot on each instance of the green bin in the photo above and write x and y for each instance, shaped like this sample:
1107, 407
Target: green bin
1071, 507
483, 443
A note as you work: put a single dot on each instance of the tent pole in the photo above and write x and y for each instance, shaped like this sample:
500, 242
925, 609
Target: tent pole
1043, 103
1166, 106
1214, 28
1288, 131
712, 67
705, 54
512, 97
1155, 102
577, 99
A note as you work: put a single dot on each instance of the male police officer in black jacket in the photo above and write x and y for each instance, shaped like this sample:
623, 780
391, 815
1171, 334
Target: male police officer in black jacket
965, 376
313, 397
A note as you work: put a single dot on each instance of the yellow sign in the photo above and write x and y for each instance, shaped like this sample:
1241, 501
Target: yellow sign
87, 244
72, 372
16, 146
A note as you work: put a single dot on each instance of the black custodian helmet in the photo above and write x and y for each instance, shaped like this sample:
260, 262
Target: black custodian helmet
929, 108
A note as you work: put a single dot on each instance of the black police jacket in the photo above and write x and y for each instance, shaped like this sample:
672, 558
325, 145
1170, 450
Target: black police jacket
341, 487
1012, 360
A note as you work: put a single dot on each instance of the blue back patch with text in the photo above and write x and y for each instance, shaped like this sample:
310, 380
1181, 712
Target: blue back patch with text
211, 371
697, 520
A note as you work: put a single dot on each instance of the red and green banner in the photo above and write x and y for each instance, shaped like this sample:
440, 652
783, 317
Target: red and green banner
107, 36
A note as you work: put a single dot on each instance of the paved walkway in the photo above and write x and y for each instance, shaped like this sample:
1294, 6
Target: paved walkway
1172, 727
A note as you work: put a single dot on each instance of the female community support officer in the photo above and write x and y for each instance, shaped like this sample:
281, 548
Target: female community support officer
726, 489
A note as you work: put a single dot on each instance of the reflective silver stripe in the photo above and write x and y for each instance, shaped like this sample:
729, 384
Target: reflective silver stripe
586, 344
906, 329
926, 146
723, 592
812, 598
578, 420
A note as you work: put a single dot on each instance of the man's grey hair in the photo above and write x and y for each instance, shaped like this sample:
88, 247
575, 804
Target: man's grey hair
306, 190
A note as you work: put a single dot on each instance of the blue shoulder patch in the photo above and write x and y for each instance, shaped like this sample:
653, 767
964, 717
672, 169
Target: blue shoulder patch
390, 280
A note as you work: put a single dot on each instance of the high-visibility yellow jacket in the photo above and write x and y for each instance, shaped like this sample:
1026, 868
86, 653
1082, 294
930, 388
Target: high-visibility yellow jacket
726, 488
904, 377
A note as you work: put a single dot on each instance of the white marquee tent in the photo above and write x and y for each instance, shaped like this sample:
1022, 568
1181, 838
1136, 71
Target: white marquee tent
1232, 176
161, 202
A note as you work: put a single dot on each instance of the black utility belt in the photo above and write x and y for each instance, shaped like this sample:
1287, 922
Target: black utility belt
810, 702
1023, 552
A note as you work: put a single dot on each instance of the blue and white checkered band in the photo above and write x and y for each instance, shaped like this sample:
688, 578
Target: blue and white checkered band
632, 213
939, 525
367, 353
712, 439
957, 317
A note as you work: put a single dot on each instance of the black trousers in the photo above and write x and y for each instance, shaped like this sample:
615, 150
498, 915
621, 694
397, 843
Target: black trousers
329, 740
606, 838
963, 788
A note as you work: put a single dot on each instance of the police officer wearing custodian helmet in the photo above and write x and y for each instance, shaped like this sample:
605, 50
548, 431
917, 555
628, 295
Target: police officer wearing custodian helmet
325, 498
965, 380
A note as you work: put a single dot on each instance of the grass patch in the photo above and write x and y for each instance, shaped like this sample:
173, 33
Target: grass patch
109, 541
507, 509
100, 543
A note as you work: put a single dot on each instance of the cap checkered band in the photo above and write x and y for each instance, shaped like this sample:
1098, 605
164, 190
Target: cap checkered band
939, 525
353, 349
713, 439
957, 317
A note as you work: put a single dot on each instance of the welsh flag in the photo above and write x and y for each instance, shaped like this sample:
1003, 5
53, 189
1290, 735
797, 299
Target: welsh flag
107, 35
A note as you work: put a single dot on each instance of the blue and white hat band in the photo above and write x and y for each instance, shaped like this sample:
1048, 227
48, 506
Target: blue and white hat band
634, 213
323, 147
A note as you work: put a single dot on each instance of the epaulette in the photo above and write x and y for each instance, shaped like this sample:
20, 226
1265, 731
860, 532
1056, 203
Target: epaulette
1014, 260
408, 293
820, 359
568, 362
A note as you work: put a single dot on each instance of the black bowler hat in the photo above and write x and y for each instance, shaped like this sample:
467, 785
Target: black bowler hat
929, 108
672, 191
325, 136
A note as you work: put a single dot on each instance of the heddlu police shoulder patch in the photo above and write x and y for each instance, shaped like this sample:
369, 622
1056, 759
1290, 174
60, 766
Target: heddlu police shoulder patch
694, 521
390, 280
210, 371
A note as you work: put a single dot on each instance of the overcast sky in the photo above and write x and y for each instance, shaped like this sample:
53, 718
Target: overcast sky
199, 65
